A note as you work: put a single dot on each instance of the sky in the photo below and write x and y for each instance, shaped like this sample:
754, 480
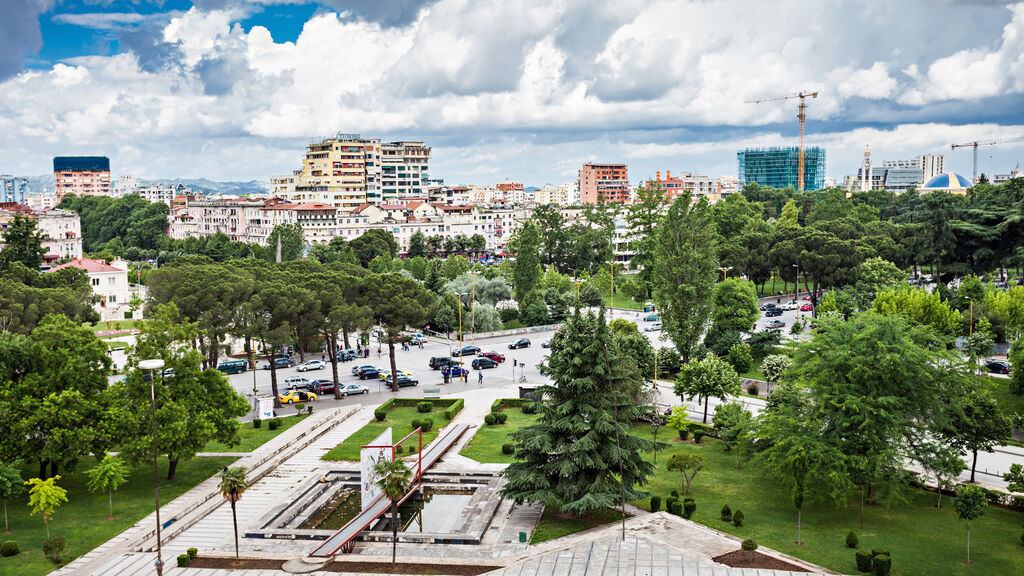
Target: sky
520, 89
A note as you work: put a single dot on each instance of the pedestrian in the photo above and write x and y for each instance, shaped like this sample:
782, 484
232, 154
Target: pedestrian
465, 376
480, 377
421, 344
323, 358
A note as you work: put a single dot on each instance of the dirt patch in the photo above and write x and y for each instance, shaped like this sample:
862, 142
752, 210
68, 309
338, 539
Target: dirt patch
753, 559
347, 566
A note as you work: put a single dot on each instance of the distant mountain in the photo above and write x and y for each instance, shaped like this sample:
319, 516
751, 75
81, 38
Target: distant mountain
45, 182
530, 189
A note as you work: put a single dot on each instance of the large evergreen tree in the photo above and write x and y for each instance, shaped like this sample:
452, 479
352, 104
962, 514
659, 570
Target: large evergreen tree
24, 243
575, 455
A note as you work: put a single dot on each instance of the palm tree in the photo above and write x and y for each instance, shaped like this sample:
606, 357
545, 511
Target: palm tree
393, 479
232, 484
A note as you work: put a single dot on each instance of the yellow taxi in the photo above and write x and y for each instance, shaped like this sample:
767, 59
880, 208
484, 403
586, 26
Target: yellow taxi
385, 375
294, 396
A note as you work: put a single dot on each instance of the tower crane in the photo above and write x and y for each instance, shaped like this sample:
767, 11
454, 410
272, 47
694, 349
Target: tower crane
975, 145
801, 116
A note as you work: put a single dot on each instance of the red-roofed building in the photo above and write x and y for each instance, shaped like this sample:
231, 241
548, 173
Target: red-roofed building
109, 283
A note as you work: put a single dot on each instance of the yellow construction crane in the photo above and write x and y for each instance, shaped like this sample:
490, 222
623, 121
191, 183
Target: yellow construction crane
802, 117
975, 145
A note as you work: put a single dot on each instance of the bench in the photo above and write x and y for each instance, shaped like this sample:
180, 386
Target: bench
432, 393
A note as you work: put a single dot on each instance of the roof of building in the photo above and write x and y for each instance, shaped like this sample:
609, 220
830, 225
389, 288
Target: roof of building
311, 206
88, 265
392, 207
414, 205
361, 207
947, 181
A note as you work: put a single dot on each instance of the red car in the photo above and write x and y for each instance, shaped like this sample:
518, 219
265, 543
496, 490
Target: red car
493, 356
806, 308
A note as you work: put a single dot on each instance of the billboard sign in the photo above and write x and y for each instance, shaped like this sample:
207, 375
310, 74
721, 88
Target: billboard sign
379, 449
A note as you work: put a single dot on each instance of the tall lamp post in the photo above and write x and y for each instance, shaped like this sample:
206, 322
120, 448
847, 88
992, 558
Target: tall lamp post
154, 365
725, 272
460, 295
472, 303
796, 290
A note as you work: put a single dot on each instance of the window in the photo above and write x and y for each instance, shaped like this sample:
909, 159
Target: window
111, 281
112, 299
95, 281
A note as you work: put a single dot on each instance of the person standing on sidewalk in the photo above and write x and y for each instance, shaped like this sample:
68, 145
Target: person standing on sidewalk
480, 377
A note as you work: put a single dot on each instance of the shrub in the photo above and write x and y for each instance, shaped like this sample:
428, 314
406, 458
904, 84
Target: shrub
655, 503
426, 424
689, 507
881, 565
424, 407
737, 518
879, 552
684, 433
183, 560
299, 408
697, 435
508, 314
9, 548
309, 409
490, 419
749, 545
726, 513
676, 509
669, 502
257, 423
501, 417
454, 409
54, 548
398, 449
851, 539
675, 494
380, 414
753, 389
508, 449
740, 357
797, 327
415, 424
192, 553
273, 424
530, 408
863, 561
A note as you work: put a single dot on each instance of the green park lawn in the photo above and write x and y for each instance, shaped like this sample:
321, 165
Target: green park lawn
252, 438
400, 420
621, 301
82, 520
1000, 389
555, 525
486, 443
923, 540
113, 325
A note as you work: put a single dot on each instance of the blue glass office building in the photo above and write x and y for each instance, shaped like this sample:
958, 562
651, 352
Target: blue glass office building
13, 189
81, 164
779, 167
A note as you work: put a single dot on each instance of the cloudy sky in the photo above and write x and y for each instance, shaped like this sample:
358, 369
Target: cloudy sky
527, 89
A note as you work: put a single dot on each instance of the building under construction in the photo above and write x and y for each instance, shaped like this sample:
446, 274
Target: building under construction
779, 167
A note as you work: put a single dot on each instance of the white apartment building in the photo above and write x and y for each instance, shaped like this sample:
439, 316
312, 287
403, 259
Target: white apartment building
404, 170
63, 234
125, 184
110, 285
162, 193
557, 195
39, 202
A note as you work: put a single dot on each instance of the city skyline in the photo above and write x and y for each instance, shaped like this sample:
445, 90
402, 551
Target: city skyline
234, 90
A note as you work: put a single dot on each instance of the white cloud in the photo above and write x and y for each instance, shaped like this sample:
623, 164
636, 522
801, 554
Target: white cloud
100, 20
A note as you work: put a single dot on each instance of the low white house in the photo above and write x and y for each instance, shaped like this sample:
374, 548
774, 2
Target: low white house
109, 284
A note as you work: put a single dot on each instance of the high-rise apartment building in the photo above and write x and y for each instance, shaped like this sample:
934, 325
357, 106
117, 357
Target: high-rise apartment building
931, 165
779, 167
604, 183
347, 170
695, 184
126, 184
81, 175
13, 189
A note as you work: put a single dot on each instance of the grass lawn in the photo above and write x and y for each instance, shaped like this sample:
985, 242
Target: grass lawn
113, 325
400, 420
923, 540
622, 301
1000, 389
512, 325
555, 525
253, 438
486, 443
82, 520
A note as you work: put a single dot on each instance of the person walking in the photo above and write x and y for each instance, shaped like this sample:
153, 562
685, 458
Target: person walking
480, 377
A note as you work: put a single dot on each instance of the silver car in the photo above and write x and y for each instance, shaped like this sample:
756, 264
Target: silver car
296, 383
352, 389
310, 365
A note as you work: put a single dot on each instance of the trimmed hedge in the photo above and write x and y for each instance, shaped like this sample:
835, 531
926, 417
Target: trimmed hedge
737, 518
54, 549
183, 560
9, 548
256, 423
454, 409
508, 449
509, 403
863, 561
851, 539
424, 407
689, 507
490, 419
749, 545
881, 565
501, 417
655, 503
192, 552
726, 513
273, 424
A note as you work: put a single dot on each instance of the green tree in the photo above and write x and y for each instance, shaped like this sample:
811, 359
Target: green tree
107, 476
579, 455
24, 243
970, 504
11, 486
231, 485
978, 345
773, 367
873, 276
132, 220
44, 497
710, 377
739, 357
26, 297
735, 309
526, 268
398, 302
732, 422
374, 243
193, 406
554, 235
289, 238
417, 245
393, 479
644, 216
1014, 478
685, 272
920, 306
978, 425
790, 216
1016, 358
688, 464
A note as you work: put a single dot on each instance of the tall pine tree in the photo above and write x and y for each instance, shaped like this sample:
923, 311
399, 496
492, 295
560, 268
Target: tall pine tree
580, 447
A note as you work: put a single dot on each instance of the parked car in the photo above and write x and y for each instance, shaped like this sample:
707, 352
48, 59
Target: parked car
499, 358
545, 344
652, 318
387, 374
467, 351
454, 371
481, 363
296, 396
233, 366
417, 339
771, 312
278, 363
806, 308
774, 324
353, 389
656, 327
321, 386
521, 343
791, 305
311, 365
997, 366
296, 383
347, 354
437, 362
766, 306
368, 373
404, 381
358, 369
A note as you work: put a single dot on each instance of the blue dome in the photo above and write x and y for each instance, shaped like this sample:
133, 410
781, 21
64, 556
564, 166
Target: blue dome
947, 181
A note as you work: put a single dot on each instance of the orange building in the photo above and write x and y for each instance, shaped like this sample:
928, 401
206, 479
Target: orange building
604, 183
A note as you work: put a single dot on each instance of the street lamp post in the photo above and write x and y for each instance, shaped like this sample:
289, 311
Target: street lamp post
460, 295
725, 272
472, 303
796, 290
154, 365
